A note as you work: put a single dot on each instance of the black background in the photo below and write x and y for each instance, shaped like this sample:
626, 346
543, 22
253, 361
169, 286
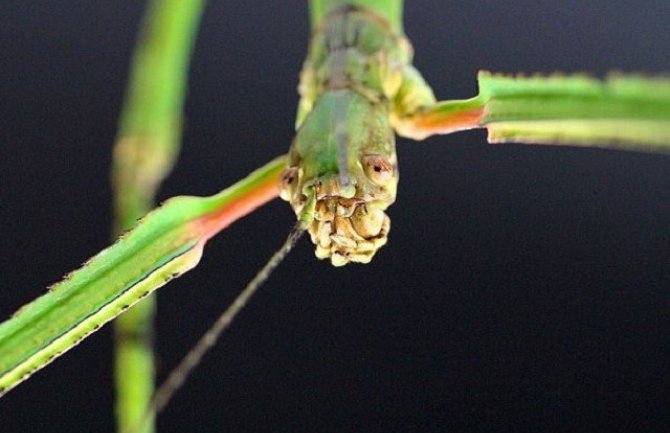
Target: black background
523, 287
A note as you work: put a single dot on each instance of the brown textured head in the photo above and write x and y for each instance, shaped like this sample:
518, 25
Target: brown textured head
348, 222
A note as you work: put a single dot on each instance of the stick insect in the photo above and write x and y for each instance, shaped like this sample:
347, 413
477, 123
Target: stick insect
368, 302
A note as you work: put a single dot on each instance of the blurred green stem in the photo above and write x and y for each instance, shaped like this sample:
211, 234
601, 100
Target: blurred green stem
146, 147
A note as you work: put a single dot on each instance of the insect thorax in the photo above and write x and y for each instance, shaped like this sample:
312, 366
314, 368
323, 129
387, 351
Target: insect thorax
349, 81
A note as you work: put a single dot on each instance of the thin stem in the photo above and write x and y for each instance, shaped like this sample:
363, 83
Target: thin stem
147, 145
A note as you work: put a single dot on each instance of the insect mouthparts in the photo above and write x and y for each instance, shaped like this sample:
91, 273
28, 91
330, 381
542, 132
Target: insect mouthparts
347, 231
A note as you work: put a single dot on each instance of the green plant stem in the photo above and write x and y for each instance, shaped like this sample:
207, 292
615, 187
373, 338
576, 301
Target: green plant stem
147, 145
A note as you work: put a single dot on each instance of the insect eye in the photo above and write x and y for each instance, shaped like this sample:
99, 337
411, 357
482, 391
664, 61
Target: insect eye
378, 168
289, 182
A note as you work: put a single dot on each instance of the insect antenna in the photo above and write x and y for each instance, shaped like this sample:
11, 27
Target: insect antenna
183, 370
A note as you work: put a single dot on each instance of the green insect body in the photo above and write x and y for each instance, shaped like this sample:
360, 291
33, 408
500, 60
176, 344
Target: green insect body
342, 169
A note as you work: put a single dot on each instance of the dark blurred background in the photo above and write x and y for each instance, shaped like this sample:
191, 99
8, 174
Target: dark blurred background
523, 287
